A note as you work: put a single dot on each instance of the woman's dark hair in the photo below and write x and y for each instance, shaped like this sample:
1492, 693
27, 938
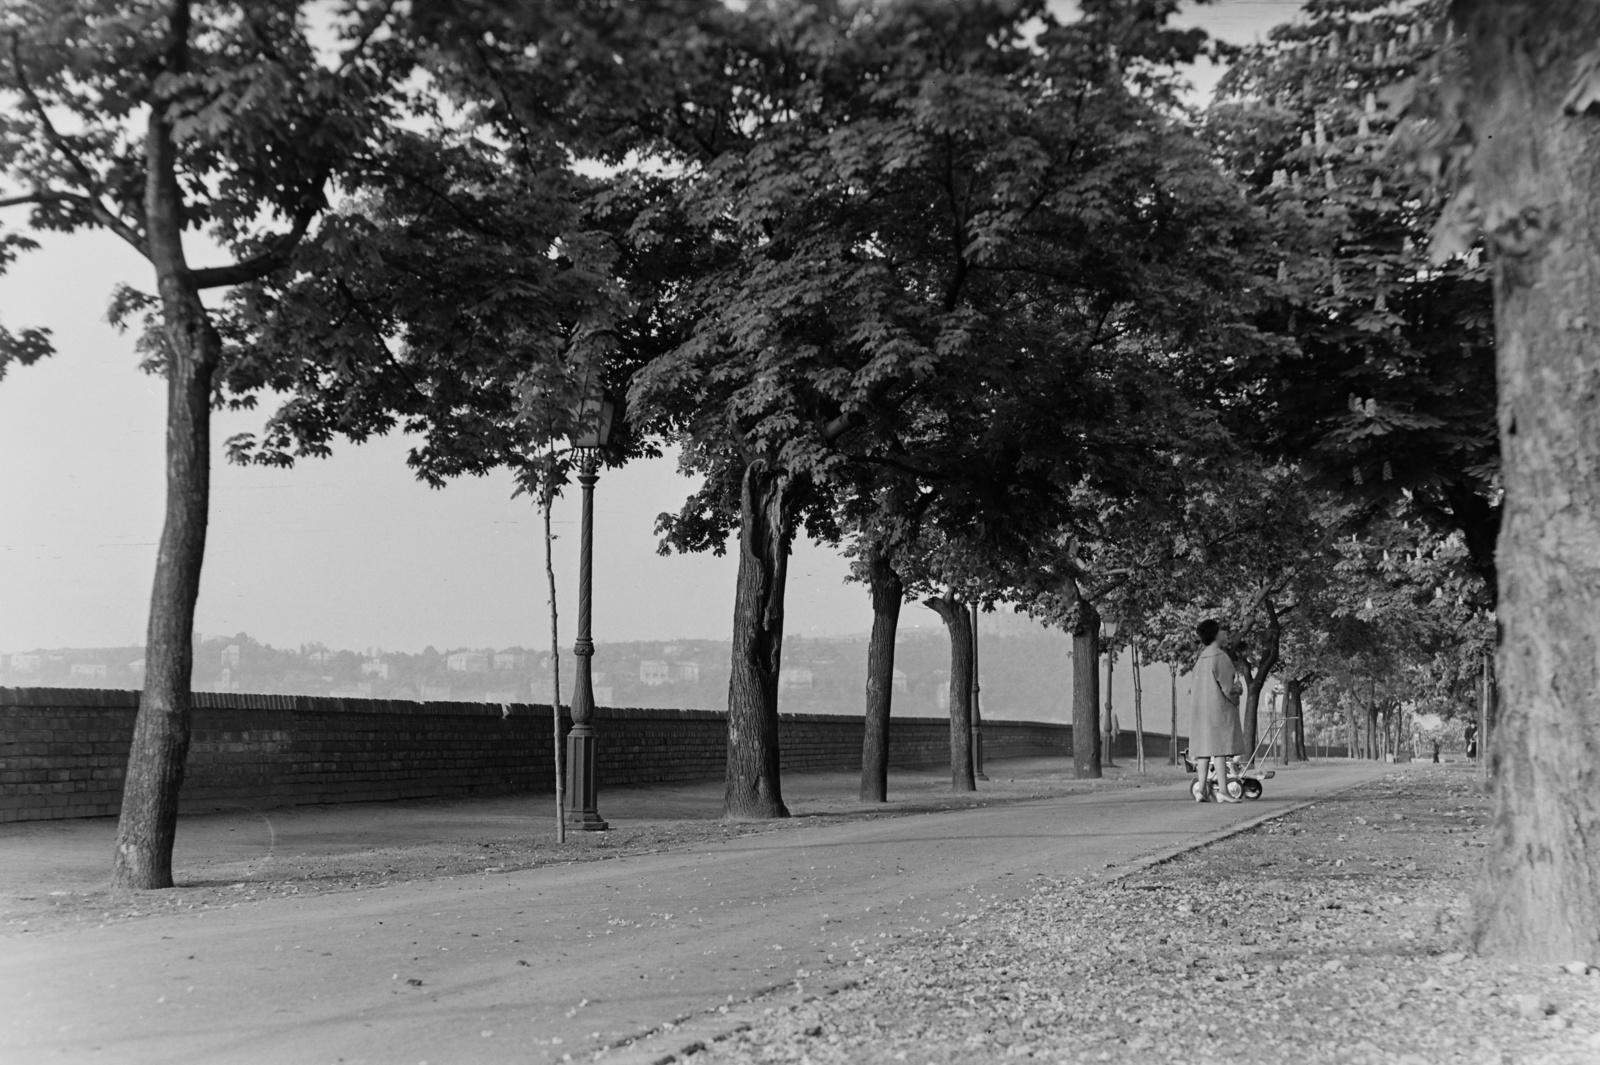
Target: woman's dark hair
1207, 630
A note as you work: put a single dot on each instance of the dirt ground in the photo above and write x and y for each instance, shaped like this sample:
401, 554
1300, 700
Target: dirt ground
1333, 934
54, 875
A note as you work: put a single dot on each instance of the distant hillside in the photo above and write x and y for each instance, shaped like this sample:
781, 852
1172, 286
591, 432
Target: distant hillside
1025, 673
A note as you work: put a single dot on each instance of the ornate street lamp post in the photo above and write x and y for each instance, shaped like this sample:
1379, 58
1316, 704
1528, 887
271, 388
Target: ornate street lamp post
594, 432
977, 716
1109, 745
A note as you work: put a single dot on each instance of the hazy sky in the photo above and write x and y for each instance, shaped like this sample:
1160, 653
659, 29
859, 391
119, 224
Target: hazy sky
351, 551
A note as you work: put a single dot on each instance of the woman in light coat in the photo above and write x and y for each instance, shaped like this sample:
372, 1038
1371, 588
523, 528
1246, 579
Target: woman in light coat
1214, 731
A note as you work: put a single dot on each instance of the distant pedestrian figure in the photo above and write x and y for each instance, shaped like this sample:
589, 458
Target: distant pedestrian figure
1435, 752
1215, 734
1471, 737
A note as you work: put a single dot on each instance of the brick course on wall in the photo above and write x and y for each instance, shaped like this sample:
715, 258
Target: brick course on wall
63, 750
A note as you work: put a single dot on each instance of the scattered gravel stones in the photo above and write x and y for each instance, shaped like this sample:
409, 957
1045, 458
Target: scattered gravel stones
1331, 935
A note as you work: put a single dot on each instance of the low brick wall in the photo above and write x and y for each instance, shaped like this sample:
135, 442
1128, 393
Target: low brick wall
63, 750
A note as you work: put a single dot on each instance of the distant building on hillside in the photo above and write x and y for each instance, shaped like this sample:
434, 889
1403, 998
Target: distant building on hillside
468, 662
686, 672
510, 660
899, 681
796, 678
225, 683
89, 670
375, 667
21, 663
654, 672
230, 656
320, 658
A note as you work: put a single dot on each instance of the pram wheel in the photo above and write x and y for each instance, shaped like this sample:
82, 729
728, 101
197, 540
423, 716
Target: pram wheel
1252, 788
1195, 788
1235, 789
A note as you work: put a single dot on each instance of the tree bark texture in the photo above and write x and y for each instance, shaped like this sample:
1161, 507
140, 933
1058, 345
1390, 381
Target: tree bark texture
1108, 742
887, 594
1256, 681
958, 623
1086, 695
148, 822
1536, 168
1293, 732
766, 528
1138, 709
559, 741
1172, 747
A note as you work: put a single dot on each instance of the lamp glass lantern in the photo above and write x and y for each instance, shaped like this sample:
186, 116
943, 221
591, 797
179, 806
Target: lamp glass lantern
594, 415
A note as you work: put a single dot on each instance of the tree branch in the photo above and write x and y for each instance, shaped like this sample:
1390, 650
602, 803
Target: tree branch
91, 183
280, 250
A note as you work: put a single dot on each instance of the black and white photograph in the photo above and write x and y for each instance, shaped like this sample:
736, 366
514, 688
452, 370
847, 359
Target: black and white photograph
800, 532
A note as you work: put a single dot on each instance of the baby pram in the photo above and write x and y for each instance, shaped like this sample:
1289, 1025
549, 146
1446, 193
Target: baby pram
1242, 778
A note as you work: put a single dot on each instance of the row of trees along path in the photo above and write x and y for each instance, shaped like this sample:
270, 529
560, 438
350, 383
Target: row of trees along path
961, 286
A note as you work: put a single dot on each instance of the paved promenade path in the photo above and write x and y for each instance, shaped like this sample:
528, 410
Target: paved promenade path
539, 964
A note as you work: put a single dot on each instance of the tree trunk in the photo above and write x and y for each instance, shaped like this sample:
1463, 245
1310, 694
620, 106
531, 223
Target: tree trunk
1138, 710
1086, 695
1536, 168
958, 624
1172, 736
546, 498
766, 528
1108, 749
887, 593
148, 823
1300, 726
1293, 736
1256, 681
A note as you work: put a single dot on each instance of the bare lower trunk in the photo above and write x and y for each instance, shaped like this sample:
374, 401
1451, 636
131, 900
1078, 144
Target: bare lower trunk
1086, 696
766, 528
1172, 748
148, 823
958, 623
1138, 711
1293, 735
559, 742
1536, 169
1108, 742
887, 594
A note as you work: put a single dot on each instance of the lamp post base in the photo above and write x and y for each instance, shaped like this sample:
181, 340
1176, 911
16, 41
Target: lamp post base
582, 787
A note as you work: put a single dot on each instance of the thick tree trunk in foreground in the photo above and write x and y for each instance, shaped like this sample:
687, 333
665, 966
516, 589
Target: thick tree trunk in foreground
1086, 696
887, 594
148, 823
766, 527
1536, 169
958, 623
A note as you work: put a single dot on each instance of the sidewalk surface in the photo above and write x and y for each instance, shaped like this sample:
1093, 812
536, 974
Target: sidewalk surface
319, 934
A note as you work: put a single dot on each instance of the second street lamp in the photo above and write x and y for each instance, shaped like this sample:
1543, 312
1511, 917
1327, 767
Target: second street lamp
594, 432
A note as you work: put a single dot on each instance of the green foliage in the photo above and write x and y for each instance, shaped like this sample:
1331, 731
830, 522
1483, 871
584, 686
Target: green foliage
1389, 386
928, 249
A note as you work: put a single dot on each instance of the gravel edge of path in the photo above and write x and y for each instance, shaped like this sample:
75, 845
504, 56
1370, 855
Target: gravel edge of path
1329, 932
